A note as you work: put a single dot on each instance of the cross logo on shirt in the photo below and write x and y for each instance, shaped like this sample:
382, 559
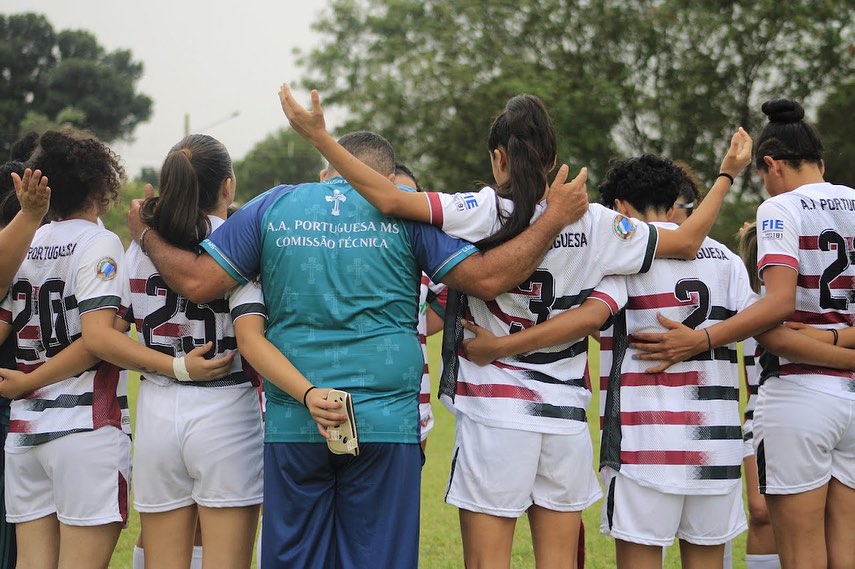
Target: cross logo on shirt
337, 197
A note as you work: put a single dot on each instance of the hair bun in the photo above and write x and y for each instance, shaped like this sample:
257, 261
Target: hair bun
783, 111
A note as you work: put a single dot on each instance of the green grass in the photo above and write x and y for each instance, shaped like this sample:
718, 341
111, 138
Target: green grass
440, 531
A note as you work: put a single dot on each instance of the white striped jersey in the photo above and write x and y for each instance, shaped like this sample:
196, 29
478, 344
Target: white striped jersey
678, 431
171, 324
428, 291
73, 267
811, 229
751, 368
547, 390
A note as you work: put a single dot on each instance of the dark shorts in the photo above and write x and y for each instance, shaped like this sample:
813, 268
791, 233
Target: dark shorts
326, 511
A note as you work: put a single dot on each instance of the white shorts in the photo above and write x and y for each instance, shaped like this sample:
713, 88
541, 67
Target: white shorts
81, 477
802, 438
502, 472
639, 514
201, 445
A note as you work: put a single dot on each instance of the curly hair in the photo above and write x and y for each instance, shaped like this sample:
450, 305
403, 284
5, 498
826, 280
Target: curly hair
9, 206
82, 171
646, 182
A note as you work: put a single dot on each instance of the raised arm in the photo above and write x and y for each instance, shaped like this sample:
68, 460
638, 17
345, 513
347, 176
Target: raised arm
488, 274
684, 242
571, 325
196, 277
34, 196
374, 187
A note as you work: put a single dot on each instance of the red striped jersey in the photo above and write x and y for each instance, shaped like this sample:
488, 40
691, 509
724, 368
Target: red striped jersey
678, 431
73, 267
751, 368
171, 324
547, 390
811, 230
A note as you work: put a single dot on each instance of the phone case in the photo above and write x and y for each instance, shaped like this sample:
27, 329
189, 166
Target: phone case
344, 439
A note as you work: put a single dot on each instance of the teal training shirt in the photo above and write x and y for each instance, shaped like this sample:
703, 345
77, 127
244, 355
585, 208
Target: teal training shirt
341, 284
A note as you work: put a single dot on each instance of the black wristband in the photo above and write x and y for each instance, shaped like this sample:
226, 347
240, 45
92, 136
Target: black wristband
306, 394
725, 175
142, 240
836, 335
709, 342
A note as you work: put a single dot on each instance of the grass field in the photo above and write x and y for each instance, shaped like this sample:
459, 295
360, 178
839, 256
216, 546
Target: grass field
440, 534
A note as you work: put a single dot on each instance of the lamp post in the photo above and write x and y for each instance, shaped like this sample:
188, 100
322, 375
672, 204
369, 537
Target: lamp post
210, 126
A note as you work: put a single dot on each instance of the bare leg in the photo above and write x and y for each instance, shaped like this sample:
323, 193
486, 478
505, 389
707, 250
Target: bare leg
555, 536
701, 556
839, 521
168, 538
637, 556
487, 540
228, 535
799, 524
87, 547
761, 538
38, 543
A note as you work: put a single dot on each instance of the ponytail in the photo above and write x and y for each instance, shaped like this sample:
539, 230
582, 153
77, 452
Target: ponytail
190, 182
527, 134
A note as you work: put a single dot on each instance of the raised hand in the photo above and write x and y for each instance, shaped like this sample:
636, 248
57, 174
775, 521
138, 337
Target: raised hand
677, 344
309, 124
201, 369
135, 223
33, 193
568, 199
739, 154
481, 349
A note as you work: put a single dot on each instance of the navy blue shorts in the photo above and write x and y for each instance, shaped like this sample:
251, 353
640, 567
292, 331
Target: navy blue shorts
327, 511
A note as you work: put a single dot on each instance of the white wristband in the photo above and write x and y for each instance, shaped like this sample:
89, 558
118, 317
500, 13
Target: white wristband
179, 368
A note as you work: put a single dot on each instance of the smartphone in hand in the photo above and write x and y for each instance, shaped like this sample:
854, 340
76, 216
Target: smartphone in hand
344, 439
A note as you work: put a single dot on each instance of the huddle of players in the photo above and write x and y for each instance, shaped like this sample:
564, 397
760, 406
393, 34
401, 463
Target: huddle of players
672, 441
673, 437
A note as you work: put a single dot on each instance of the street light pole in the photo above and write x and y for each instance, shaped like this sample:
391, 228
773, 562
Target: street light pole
210, 126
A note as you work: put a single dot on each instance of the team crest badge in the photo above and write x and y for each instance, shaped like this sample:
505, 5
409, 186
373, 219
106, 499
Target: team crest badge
106, 269
624, 227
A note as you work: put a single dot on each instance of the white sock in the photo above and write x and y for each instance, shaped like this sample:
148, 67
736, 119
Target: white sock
139, 558
765, 561
258, 546
196, 560
728, 555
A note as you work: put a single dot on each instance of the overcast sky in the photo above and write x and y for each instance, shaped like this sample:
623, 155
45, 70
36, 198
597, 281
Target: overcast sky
206, 58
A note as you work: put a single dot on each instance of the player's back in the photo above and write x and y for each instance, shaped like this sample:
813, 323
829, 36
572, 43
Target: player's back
679, 430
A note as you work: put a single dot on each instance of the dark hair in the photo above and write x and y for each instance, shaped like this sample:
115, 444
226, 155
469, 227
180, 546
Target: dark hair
525, 130
748, 253
9, 206
23, 148
403, 170
372, 149
190, 181
646, 182
690, 189
82, 171
787, 136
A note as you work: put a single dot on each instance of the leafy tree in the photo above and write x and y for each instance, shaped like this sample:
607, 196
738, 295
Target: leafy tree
281, 158
51, 78
836, 123
620, 77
